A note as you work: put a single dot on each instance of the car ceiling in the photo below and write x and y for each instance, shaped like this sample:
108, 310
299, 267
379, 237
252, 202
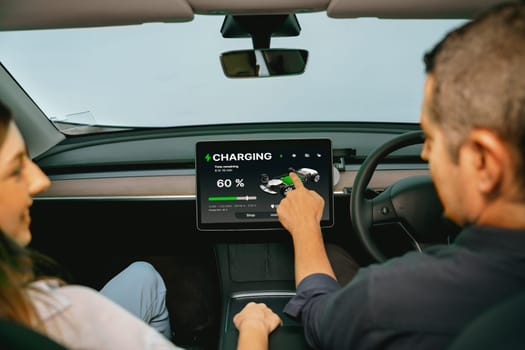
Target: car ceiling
41, 14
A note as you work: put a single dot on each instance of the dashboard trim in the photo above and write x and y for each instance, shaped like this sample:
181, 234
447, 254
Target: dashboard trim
180, 187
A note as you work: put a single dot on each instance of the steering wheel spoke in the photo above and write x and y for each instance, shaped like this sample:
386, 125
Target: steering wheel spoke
383, 209
412, 202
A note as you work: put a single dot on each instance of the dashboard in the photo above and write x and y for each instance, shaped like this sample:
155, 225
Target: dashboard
160, 165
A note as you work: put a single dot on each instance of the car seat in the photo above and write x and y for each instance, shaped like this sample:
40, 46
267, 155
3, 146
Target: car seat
500, 327
14, 336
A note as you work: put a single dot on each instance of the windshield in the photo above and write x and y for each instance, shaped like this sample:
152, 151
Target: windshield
169, 74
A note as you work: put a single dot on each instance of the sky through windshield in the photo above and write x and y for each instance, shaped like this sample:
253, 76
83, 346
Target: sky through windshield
170, 75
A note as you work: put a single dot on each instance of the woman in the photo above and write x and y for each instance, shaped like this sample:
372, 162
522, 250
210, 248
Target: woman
139, 288
65, 312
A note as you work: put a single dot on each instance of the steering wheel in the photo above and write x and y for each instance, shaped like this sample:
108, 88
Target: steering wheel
412, 203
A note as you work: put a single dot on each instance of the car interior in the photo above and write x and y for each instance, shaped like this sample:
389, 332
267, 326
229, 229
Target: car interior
195, 193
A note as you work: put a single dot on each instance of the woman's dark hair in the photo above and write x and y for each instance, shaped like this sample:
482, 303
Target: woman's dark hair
16, 272
5, 119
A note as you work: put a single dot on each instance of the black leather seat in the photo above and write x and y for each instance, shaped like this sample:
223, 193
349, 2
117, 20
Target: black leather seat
501, 327
14, 336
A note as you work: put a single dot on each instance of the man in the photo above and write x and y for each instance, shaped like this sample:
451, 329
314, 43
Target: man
473, 116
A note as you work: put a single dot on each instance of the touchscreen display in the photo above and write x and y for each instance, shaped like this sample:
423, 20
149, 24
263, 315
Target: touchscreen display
240, 183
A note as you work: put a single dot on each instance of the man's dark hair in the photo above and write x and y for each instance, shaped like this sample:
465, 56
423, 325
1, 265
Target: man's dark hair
479, 79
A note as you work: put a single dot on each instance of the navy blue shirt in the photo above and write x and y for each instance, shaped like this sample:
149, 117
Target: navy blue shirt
418, 301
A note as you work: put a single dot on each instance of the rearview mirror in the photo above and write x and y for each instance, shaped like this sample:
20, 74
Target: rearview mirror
263, 62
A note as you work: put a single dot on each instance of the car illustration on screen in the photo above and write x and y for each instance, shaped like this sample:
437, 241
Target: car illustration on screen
283, 183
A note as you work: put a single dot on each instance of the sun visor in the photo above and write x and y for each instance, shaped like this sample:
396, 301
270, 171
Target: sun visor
44, 14
255, 7
438, 9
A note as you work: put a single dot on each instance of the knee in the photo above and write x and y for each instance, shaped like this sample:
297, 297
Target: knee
141, 267
145, 272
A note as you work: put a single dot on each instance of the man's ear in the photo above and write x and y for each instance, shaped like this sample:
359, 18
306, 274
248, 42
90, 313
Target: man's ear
491, 157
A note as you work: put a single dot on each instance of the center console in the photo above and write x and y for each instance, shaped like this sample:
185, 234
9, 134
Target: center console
262, 273
239, 186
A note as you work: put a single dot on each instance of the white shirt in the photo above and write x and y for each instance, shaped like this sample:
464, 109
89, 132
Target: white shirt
79, 317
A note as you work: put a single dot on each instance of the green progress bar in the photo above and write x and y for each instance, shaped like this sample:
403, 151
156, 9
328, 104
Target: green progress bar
225, 198
232, 198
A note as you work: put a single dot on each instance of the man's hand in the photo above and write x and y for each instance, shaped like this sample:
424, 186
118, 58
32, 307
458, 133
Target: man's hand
300, 212
301, 208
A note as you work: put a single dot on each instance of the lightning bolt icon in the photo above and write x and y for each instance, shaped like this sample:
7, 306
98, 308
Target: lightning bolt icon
207, 157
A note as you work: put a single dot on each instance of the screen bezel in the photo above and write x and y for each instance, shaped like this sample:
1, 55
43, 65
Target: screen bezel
324, 144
